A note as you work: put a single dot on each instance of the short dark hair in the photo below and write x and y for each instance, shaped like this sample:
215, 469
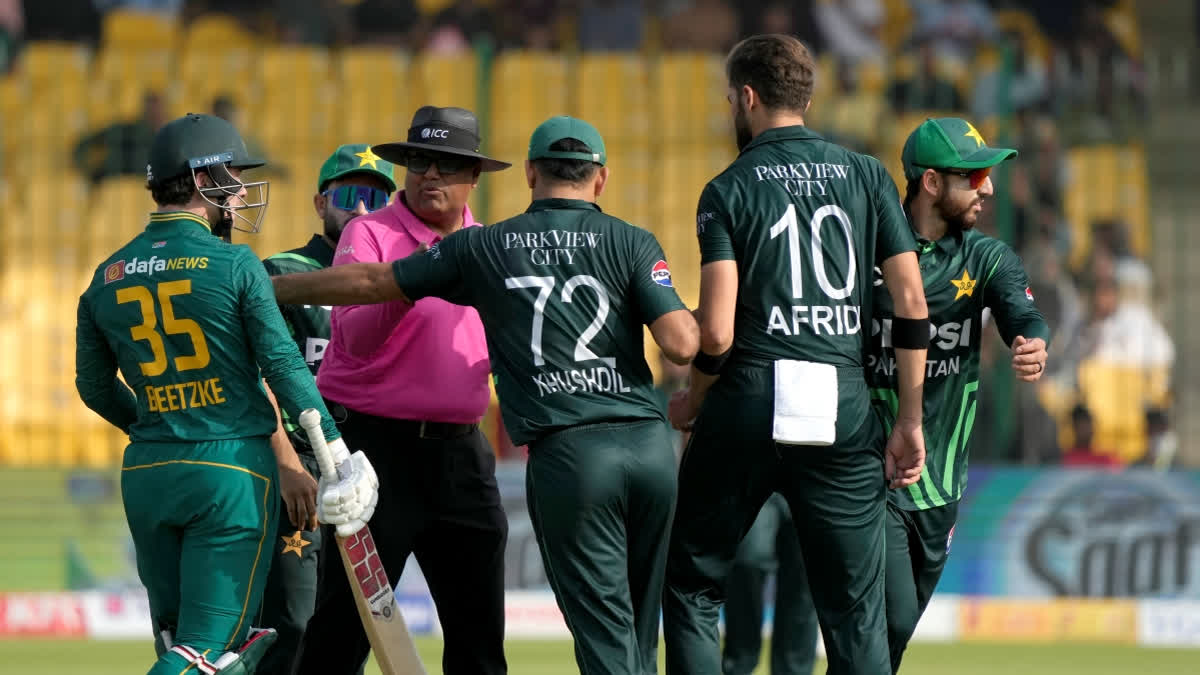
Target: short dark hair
574, 171
778, 68
173, 191
911, 190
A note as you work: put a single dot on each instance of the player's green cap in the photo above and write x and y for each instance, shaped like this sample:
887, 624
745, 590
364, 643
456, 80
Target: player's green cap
556, 129
949, 143
356, 158
193, 142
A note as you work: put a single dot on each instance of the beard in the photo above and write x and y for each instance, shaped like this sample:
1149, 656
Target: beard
334, 224
223, 228
957, 218
741, 127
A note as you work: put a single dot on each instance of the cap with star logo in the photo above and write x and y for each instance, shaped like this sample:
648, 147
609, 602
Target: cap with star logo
949, 143
356, 158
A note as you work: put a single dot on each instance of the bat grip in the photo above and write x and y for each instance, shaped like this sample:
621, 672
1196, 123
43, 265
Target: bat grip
310, 421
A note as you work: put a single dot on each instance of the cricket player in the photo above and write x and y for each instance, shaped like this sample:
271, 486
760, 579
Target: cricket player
947, 166
563, 291
770, 544
789, 235
352, 182
191, 323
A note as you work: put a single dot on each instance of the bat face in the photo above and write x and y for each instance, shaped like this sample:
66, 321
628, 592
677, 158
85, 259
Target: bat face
369, 574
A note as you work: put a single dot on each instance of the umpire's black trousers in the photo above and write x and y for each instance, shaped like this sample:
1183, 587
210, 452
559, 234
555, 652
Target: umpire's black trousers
438, 500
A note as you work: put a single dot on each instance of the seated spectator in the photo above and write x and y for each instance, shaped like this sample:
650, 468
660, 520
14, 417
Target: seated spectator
1082, 453
1132, 335
852, 29
12, 30
926, 89
1162, 444
457, 27
955, 28
121, 149
527, 24
853, 115
609, 25
1025, 85
702, 25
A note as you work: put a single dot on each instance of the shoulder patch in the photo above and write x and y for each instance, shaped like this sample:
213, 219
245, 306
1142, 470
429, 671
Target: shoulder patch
1029, 293
661, 274
114, 272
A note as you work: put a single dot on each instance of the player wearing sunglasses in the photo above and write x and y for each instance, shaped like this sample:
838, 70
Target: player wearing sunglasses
947, 165
352, 182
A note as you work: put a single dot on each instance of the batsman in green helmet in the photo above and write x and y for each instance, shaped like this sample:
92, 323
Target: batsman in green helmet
191, 323
352, 182
947, 166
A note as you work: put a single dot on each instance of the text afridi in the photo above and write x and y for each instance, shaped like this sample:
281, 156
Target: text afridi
185, 395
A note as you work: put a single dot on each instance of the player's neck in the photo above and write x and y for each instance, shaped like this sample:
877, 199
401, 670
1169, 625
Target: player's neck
198, 210
776, 120
563, 191
926, 222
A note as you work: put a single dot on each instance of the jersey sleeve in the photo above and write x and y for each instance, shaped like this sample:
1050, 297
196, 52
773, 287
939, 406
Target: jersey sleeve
96, 373
894, 234
653, 292
438, 272
1006, 291
714, 227
274, 350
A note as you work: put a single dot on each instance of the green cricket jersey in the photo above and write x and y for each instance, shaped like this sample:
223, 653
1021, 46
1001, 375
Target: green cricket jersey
806, 221
308, 324
962, 274
563, 291
191, 323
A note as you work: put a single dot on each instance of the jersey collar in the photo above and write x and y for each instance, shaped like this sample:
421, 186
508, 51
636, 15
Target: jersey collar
550, 204
320, 250
181, 220
797, 132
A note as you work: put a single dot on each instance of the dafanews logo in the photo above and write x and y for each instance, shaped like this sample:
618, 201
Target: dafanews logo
114, 272
155, 264
661, 274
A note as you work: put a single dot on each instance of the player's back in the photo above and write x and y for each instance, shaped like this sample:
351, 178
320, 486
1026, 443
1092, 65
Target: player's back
170, 304
564, 291
807, 221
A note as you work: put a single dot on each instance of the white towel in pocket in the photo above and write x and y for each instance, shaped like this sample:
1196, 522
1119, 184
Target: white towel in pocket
806, 402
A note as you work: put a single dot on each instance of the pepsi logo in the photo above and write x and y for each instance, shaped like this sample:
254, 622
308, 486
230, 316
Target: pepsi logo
661, 274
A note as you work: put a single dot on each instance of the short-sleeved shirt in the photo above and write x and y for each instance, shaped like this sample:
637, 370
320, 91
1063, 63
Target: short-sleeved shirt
807, 221
189, 320
563, 291
963, 274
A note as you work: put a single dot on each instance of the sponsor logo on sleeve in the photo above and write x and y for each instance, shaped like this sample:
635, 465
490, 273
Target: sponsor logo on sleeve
114, 272
1029, 294
661, 274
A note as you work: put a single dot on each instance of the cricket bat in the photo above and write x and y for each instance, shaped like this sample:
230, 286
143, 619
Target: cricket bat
373, 594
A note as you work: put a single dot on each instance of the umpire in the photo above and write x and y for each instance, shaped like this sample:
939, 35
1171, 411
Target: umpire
409, 386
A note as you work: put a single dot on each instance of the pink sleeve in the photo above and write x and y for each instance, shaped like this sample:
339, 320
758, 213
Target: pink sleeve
364, 328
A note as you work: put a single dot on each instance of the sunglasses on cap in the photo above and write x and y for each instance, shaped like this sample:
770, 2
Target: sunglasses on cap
347, 197
447, 165
975, 177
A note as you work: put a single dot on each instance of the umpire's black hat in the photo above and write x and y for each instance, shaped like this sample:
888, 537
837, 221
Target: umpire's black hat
453, 131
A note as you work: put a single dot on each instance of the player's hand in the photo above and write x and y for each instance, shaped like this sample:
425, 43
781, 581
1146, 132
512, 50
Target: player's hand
1029, 358
905, 455
680, 411
350, 502
299, 491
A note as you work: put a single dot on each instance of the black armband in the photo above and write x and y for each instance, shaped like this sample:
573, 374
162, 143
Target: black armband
709, 364
910, 333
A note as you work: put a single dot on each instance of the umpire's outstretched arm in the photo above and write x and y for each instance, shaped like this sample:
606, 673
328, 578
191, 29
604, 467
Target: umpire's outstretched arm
352, 284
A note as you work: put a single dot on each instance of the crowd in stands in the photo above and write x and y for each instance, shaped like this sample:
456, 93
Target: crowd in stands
1044, 77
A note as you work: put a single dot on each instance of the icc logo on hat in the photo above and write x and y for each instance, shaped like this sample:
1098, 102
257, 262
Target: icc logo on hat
435, 133
661, 274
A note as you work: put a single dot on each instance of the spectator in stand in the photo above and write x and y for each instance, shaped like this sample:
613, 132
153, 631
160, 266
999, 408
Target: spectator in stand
955, 28
926, 89
527, 24
1162, 444
12, 30
1082, 454
1131, 335
852, 29
122, 148
610, 25
701, 25
459, 26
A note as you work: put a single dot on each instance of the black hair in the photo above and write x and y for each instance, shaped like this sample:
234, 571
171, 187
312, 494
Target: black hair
574, 171
779, 68
173, 191
911, 190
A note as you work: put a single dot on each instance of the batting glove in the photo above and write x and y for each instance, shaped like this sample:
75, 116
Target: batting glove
349, 502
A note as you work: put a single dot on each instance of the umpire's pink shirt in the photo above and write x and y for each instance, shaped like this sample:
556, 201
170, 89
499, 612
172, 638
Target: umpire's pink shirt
424, 362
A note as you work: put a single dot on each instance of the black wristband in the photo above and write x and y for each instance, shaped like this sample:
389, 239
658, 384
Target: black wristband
910, 333
709, 364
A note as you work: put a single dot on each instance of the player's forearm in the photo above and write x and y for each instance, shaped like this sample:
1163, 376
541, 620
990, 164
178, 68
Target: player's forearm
678, 335
910, 368
281, 446
111, 400
351, 284
698, 386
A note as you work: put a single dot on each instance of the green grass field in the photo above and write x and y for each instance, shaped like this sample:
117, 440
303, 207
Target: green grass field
57, 657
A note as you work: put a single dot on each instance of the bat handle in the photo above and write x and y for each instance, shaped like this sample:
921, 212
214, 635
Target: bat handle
310, 421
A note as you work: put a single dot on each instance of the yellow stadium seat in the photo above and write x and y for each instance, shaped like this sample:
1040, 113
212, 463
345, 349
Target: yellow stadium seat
1117, 397
54, 62
689, 95
526, 88
629, 193
125, 28
216, 33
897, 24
508, 194
1106, 181
612, 90
290, 67
446, 80
374, 68
150, 68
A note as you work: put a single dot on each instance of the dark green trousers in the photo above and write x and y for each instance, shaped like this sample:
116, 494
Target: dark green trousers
201, 515
837, 498
918, 544
291, 593
601, 498
769, 547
